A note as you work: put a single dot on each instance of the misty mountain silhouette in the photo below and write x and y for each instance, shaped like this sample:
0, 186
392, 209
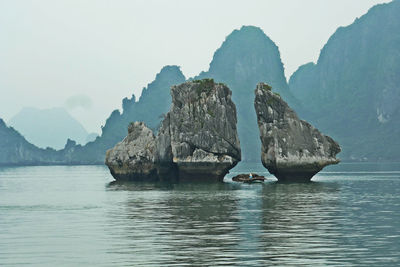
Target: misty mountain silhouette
48, 127
352, 93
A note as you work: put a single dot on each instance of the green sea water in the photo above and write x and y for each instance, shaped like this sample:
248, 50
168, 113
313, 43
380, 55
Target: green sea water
77, 216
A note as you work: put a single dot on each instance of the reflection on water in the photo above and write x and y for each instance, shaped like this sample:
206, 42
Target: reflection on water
299, 220
187, 224
344, 218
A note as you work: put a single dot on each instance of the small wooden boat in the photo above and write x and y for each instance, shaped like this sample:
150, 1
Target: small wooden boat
246, 178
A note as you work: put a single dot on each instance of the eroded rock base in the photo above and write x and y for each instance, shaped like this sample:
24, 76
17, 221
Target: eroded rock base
203, 171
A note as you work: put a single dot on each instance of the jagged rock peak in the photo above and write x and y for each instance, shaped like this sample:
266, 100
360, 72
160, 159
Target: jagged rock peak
250, 39
168, 70
292, 149
165, 76
70, 144
248, 55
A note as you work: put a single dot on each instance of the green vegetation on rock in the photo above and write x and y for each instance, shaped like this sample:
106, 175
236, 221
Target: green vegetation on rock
204, 86
266, 87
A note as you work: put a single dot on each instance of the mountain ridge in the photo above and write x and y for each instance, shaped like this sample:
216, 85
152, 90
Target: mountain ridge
246, 57
49, 127
350, 81
353, 91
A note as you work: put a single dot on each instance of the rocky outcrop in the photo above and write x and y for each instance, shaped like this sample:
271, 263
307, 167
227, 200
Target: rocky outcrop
292, 149
197, 140
134, 157
202, 127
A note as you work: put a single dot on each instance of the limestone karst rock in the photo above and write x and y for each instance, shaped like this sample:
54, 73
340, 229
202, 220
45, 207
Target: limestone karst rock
133, 158
292, 149
197, 140
202, 127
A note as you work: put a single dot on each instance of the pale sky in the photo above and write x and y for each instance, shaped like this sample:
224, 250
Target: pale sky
86, 55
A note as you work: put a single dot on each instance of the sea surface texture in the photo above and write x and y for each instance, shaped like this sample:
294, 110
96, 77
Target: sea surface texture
54, 215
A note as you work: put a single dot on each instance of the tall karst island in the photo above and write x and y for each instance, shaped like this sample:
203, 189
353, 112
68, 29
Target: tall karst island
292, 149
198, 138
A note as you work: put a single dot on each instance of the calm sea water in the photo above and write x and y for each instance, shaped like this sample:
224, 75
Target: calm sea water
51, 216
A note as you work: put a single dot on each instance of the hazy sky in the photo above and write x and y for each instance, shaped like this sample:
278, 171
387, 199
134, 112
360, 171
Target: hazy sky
88, 55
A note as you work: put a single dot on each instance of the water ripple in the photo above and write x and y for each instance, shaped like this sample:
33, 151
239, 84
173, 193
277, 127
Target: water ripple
77, 216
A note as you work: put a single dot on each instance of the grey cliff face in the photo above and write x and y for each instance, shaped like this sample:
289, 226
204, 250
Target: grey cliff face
292, 149
134, 157
197, 140
202, 127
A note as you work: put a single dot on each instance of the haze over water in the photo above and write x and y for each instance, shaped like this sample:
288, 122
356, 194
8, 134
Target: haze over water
349, 216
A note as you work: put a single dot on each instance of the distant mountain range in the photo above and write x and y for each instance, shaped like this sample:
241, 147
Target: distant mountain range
352, 93
15, 150
48, 127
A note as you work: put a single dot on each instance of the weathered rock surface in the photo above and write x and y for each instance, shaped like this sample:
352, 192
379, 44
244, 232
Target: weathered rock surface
292, 149
197, 140
134, 157
199, 132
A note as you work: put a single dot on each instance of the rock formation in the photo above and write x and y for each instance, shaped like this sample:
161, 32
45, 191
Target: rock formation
292, 149
197, 140
202, 125
134, 157
246, 57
